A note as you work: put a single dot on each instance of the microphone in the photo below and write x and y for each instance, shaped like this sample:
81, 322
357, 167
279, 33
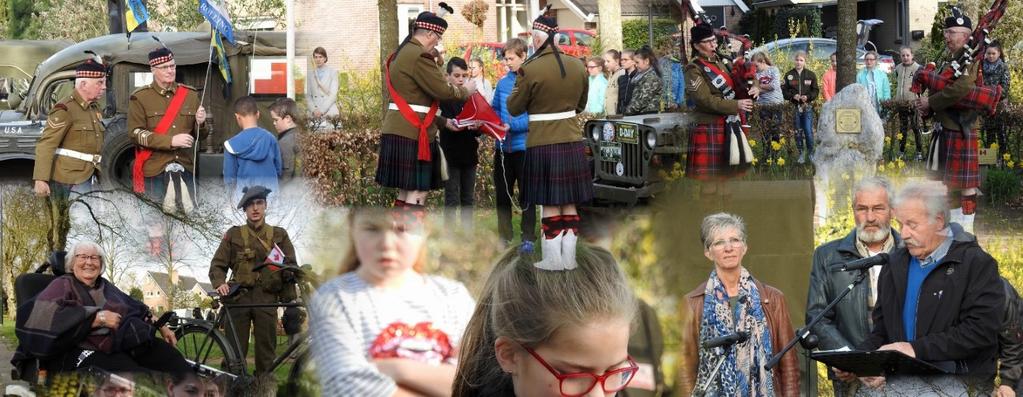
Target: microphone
861, 264
726, 340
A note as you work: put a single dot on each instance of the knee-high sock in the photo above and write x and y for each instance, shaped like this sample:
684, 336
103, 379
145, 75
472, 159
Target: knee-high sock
552, 226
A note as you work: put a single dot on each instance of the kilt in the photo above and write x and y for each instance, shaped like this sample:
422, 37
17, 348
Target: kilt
557, 174
706, 157
399, 167
956, 153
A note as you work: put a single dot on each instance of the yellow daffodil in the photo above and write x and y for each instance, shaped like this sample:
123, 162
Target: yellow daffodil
775, 146
1006, 157
770, 161
752, 143
887, 140
1011, 164
994, 146
880, 167
898, 136
901, 164
781, 161
782, 141
754, 159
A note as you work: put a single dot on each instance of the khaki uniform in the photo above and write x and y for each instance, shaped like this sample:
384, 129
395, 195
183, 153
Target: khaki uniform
711, 104
145, 109
72, 124
243, 248
418, 79
941, 100
540, 89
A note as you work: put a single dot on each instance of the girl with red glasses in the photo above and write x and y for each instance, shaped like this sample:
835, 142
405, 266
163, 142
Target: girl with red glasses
540, 333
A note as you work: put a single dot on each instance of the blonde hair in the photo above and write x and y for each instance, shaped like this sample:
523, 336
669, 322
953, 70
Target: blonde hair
529, 305
761, 56
350, 260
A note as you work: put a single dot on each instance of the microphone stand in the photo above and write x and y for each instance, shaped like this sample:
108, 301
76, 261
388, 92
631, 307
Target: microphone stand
720, 353
802, 333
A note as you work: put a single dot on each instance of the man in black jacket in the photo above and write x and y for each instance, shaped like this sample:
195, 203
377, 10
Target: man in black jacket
940, 296
848, 324
1010, 344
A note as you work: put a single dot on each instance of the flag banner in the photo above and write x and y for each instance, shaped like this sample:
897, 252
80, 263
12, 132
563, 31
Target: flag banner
135, 14
477, 111
218, 45
216, 13
275, 257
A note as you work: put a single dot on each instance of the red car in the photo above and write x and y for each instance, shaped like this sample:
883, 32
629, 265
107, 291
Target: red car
574, 42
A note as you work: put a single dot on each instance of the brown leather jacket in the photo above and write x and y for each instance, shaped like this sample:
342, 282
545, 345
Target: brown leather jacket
786, 374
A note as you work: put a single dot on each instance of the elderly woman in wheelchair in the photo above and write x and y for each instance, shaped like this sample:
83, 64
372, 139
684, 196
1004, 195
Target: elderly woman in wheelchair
81, 320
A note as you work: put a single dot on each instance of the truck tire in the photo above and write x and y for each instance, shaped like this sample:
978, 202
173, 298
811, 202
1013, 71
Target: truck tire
118, 155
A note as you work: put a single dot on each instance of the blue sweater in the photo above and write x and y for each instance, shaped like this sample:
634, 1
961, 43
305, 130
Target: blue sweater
252, 157
515, 141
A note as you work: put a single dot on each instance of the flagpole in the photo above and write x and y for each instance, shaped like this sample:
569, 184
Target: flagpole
202, 99
290, 47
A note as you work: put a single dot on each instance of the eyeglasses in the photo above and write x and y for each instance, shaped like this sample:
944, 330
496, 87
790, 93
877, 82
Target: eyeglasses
870, 59
580, 383
83, 257
166, 67
591, 66
733, 242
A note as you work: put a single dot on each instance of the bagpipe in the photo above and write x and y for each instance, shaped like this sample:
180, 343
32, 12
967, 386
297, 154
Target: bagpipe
980, 98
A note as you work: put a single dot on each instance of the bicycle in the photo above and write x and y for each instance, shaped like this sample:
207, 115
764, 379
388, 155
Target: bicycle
213, 352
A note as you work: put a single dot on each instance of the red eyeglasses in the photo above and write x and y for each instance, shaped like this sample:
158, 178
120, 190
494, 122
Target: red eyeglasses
580, 383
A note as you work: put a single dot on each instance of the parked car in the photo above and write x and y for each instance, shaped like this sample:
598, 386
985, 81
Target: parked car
574, 42
818, 48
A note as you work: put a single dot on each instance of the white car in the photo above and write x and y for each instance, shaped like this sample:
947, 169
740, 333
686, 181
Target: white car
821, 50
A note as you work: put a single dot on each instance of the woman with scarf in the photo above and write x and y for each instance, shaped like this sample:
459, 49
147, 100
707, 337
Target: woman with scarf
731, 301
321, 88
646, 94
712, 91
81, 320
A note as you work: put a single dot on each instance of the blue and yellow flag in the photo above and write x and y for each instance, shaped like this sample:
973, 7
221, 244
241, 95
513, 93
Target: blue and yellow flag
217, 45
135, 14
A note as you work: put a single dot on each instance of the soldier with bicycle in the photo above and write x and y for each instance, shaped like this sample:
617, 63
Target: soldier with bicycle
255, 253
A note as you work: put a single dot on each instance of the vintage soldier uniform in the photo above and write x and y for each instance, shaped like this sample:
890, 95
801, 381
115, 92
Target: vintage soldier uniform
410, 158
155, 116
551, 88
952, 157
710, 86
68, 153
241, 251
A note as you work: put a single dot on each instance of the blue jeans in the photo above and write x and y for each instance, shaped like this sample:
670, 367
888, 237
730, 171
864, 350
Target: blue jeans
804, 124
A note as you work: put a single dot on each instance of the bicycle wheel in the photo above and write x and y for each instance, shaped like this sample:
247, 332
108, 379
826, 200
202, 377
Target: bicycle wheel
302, 379
208, 349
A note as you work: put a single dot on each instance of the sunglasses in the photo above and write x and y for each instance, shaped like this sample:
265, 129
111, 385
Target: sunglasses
580, 383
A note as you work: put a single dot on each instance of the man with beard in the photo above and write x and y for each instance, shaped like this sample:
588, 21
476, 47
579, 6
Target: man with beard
940, 300
849, 323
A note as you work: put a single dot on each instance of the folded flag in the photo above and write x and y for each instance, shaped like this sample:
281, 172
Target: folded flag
477, 110
275, 257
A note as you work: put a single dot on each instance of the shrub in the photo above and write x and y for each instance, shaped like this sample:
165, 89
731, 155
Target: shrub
635, 33
1002, 185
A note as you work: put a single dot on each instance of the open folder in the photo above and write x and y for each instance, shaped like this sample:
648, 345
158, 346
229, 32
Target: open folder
881, 362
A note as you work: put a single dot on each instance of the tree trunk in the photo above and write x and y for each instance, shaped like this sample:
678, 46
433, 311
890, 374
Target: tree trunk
610, 24
388, 41
846, 73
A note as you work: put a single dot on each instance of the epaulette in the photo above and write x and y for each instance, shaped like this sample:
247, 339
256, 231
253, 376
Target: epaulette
427, 55
140, 89
59, 106
187, 86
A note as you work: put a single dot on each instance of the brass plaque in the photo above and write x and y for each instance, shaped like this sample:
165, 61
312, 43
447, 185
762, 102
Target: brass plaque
986, 156
847, 121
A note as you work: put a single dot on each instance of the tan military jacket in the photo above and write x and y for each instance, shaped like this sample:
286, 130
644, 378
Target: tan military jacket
418, 79
540, 89
235, 255
72, 124
710, 102
941, 101
145, 109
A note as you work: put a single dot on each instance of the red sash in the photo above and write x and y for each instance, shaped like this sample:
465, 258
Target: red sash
143, 154
410, 115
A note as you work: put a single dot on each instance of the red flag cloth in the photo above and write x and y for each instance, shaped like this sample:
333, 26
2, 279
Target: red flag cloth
476, 109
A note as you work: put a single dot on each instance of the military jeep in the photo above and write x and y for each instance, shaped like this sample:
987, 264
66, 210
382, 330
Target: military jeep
630, 153
20, 128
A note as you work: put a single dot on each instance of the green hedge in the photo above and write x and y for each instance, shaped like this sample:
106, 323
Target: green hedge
635, 32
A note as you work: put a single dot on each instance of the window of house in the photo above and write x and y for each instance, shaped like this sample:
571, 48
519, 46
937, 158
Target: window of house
406, 14
511, 18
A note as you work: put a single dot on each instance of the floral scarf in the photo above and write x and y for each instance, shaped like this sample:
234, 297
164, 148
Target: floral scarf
742, 374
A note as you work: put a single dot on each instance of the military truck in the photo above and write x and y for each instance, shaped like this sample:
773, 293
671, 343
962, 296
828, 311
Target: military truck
630, 152
255, 67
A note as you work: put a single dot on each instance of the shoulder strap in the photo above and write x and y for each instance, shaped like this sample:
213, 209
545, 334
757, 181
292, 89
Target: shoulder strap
409, 114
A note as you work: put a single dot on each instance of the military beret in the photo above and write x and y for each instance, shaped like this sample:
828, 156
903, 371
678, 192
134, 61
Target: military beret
958, 19
91, 69
700, 32
250, 193
430, 21
160, 55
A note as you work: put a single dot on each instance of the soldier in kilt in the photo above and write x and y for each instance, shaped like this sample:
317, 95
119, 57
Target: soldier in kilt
952, 158
708, 80
410, 158
551, 88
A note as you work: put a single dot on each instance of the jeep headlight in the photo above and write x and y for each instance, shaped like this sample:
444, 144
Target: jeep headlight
651, 139
595, 131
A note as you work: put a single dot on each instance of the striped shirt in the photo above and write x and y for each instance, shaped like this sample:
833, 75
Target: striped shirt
347, 314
